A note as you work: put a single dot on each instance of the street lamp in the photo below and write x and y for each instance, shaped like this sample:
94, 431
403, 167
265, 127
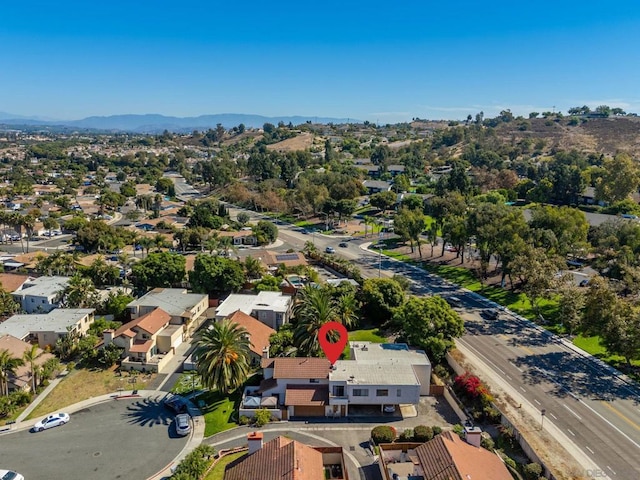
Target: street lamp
543, 412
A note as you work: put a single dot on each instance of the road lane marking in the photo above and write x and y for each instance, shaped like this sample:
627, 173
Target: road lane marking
571, 432
553, 416
535, 400
528, 350
611, 470
509, 377
621, 415
522, 388
574, 413
515, 366
592, 452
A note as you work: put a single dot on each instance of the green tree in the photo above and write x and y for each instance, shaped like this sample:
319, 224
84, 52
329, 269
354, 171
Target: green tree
80, 292
116, 304
281, 343
223, 356
620, 177
428, 323
216, 274
571, 301
380, 297
50, 224
314, 308
383, 200
600, 300
409, 224
266, 232
621, 334
243, 218
536, 271
162, 269
253, 268
8, 366
30, 358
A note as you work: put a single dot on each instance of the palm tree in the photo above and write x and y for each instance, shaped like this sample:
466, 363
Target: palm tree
159, 241
80, 292
347, 306
146, 243
30, 357
223, 356
213, 243
8, 366
253, 268
315, 307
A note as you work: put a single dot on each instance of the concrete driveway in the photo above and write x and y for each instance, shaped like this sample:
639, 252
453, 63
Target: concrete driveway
128, 438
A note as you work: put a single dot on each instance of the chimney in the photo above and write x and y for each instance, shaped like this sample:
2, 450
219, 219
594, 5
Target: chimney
473, 435
108, 336
254, 439
265, 352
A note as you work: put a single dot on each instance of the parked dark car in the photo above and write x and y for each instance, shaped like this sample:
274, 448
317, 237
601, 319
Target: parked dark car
176, 404
491, 313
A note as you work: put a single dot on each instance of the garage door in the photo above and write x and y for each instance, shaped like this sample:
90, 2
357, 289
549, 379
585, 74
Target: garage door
308, 411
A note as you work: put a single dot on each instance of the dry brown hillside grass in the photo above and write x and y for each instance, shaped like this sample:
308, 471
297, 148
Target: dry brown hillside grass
301, 142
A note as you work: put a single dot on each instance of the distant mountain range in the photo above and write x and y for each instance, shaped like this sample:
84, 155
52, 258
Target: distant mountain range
153, 123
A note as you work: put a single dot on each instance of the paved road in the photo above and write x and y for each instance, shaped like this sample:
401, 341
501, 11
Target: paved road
113, 440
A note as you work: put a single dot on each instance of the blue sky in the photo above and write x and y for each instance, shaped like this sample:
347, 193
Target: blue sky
378, 61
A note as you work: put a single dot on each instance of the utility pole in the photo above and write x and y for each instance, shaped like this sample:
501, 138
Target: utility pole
543, 412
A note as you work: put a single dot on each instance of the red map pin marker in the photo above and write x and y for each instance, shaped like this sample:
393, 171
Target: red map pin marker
333, 350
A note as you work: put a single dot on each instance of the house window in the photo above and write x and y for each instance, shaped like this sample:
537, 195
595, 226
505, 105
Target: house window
399, 392
360, 392
338, 391
314, 380
382, 392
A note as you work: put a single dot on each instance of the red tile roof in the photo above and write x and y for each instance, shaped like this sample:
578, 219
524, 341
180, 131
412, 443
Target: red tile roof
307, 395
10, 282
259, 333
301, 367
279, 459
152, 322
448, 457
141, 346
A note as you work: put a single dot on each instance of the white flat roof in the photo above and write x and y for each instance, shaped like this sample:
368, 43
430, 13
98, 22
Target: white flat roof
355, 373
43, 286
174, 301
275, 301
387, 353
56, 320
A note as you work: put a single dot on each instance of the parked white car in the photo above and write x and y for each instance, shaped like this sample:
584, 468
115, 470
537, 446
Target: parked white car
183, 424
10, 475
51, 421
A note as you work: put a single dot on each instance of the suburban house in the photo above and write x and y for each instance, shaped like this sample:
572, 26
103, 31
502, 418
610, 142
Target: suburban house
149, 341
285, 459
187, 309
376, 186
275, 259
396, 169
242, 237
377, 375
40, 295
272, 308
370, 169
21, 380
11, 282
258, 332
446, 456
47, 328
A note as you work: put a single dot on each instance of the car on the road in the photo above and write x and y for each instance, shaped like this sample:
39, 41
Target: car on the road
451, 248
389, 408
584, 283
176, 404
330, 250
343, 244
54, 420
10, 475
183, 424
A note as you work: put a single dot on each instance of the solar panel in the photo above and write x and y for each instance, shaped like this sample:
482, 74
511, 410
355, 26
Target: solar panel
286, 256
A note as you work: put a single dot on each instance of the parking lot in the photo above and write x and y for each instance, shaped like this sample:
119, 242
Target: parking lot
121, 439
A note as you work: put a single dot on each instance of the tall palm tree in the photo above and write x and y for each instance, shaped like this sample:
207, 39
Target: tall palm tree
348, 307
29, 357
223, 356
253, 268
315, 307
159, 241
80, 292
146, 243
8, 366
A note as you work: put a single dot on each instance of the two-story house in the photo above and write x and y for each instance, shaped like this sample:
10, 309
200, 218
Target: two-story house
47, 328
40, 295
272, 308
187, 309
148, 342
20, 378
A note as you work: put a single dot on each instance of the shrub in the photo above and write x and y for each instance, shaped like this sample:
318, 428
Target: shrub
195, 464
422, 433
262, 417
383, 434
436, 430
487, 442
407, 435
441, 371
244, 420
459, 430
532, 471
71, 366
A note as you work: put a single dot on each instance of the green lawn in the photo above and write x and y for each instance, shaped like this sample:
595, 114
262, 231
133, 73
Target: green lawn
592, 345
187, 382
372, 335
217, 472
220, 411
